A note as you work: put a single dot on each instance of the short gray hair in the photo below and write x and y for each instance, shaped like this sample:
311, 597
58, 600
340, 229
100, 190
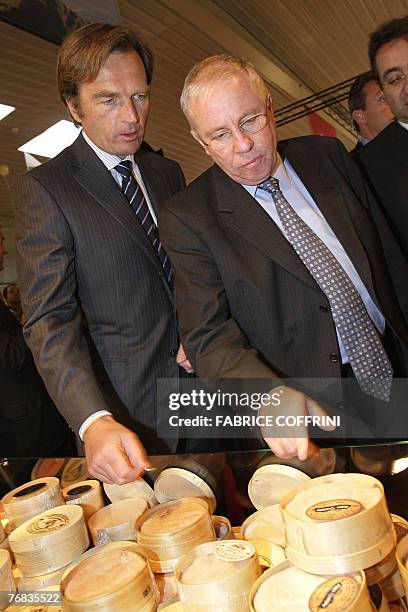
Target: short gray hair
212, 70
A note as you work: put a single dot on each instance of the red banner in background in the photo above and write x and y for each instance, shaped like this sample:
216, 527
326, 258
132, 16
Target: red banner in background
320, 127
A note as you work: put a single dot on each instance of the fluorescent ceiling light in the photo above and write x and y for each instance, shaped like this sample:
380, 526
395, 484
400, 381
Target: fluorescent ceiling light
53, 140
5, 110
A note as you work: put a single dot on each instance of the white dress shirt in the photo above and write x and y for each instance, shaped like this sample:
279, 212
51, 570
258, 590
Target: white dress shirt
404, 125
303, 204
110, 161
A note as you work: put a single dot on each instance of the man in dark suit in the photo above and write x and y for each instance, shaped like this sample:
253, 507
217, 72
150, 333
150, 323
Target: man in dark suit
277, 260
96, 282
385, 159
369, 111
30, 424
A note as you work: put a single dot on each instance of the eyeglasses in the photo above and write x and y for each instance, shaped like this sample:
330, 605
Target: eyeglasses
395, 81
251, 125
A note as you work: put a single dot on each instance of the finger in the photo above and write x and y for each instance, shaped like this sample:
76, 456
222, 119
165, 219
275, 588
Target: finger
302, 448
315, 409
135, 452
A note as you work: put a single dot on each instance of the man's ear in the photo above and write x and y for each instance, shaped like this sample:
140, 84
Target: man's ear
359, 116
74, 110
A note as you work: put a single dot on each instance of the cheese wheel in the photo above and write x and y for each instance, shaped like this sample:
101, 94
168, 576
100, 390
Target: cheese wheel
116, 521
32, 498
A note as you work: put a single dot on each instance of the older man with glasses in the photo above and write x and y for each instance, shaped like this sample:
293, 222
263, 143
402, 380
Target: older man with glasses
385, 158
280, 273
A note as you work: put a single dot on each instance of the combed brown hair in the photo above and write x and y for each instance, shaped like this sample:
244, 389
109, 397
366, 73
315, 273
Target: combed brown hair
387, 32
357, 96
84, 51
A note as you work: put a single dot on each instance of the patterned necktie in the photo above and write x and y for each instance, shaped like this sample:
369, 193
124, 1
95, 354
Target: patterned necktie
134, 194
366, 354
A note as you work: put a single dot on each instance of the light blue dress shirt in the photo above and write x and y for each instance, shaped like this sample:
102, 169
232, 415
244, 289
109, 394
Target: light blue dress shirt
302, 202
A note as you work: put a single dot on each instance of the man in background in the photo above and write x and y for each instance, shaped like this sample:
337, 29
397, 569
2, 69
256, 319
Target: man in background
30, 424
11, 296
86, 221
368, 109
385, 159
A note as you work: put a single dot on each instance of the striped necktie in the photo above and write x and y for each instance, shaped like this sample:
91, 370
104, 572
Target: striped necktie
361, 340
134, 194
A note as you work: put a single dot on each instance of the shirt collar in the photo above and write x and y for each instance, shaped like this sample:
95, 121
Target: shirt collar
404, 125
109, 160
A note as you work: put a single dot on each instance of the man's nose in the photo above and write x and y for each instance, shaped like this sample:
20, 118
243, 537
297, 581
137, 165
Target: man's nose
242, 142
129, 112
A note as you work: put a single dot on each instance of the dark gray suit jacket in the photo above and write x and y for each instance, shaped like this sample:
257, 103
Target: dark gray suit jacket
385, 162
248, 307
100, 315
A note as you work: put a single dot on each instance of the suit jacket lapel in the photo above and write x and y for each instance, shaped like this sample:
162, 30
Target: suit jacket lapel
94, 177
247, 218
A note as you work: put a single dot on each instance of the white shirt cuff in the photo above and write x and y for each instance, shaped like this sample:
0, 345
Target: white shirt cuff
94, 417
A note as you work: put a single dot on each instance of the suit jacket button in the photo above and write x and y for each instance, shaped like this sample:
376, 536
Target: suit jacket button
334, 358
161, 273
173, 352
323, 308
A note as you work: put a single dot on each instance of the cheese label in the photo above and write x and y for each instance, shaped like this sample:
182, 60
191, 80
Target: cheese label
47, 523
234, 550
334, 509
334, 595
79, 490
30, 489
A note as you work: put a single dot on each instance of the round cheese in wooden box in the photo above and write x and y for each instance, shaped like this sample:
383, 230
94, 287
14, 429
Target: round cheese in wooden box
170, 530
74, 471
50, 540
217, 576
265, 524
338, 523
285, 588
87, 494
103, 549
35, 583
270, 483
138, 489
319, 465
176, 483
115, 581
50, 466
116, 521
31, 499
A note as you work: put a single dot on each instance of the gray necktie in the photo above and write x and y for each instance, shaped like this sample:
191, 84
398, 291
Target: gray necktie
360, 338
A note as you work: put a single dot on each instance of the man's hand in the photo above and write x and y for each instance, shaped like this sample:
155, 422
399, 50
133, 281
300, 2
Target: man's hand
114, 454
183, 362
294, 403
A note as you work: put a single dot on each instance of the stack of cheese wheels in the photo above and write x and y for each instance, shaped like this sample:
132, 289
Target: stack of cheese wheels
6, 574
31, 499
270, 483
116, 521
217, 576
265, 524
319, 465
87, 494
74, 471
172, 529
138, 489
176, 483
49, 541
113, 581
338, 523
285, 588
